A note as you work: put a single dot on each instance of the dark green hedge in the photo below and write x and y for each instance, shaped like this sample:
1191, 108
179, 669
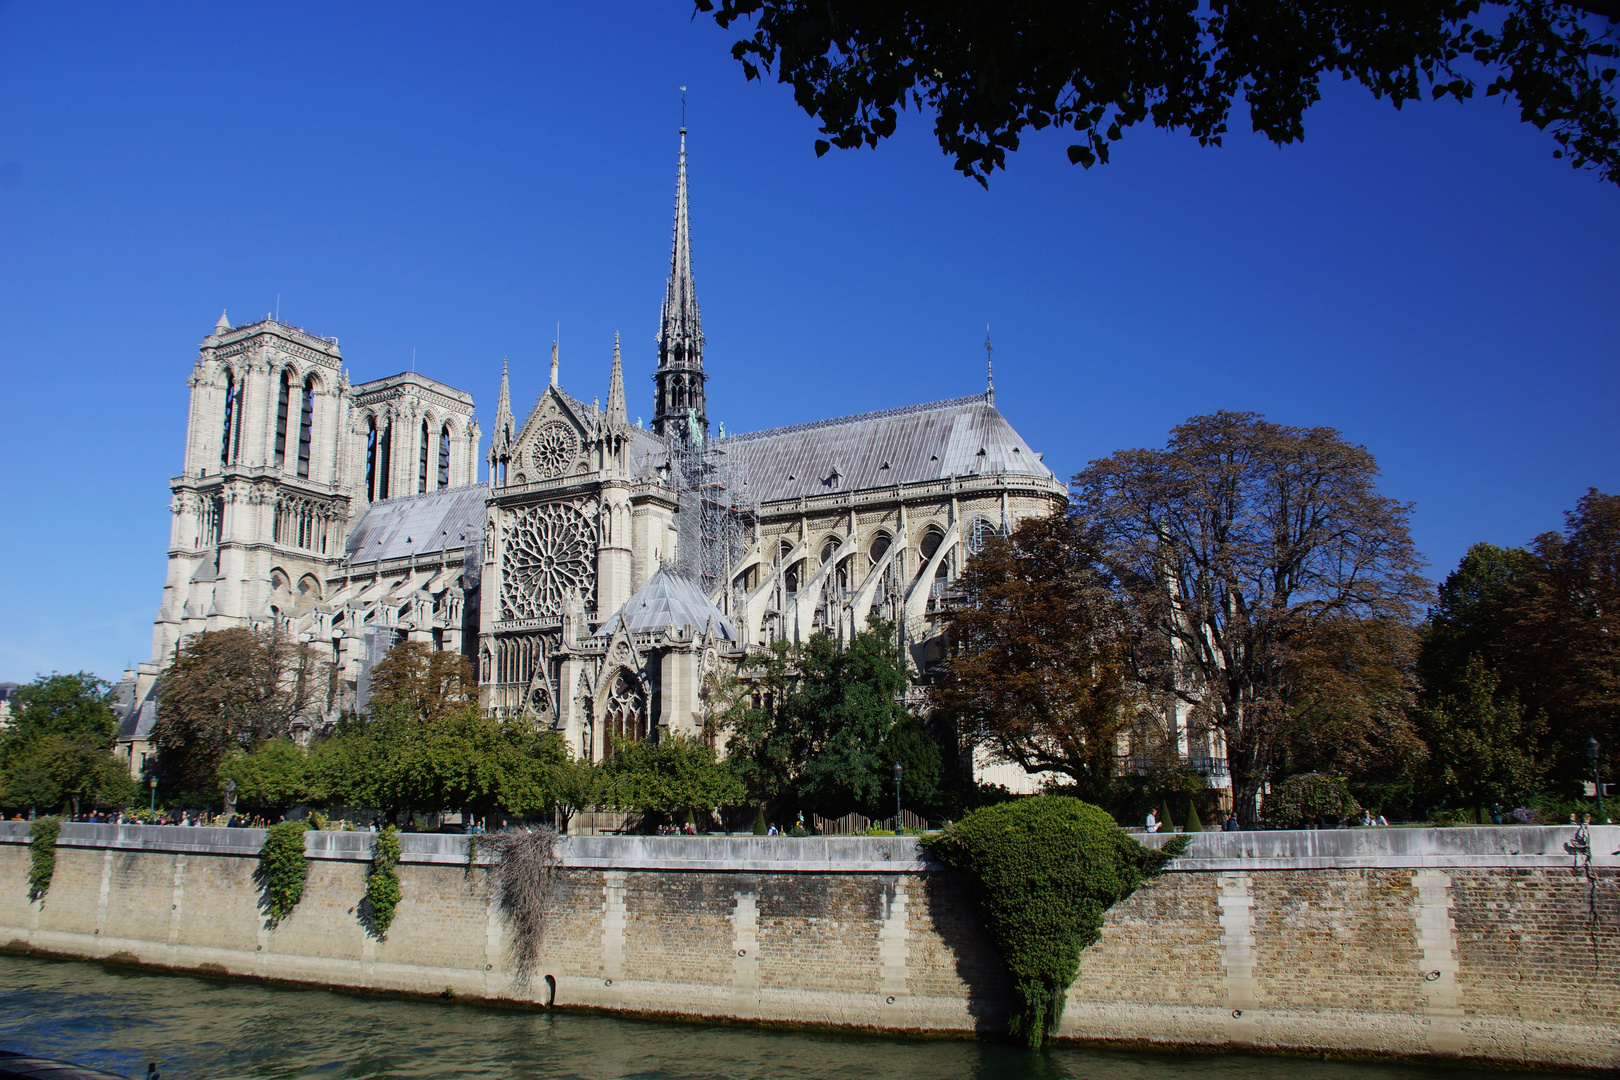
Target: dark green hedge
1042, 871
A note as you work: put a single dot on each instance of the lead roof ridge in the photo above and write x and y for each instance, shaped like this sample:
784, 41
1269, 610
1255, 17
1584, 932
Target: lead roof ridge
880, 414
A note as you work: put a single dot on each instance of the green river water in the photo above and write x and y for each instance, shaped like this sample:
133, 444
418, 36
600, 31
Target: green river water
194, 1028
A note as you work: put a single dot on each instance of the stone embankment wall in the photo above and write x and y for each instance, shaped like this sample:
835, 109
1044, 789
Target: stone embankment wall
1472, 943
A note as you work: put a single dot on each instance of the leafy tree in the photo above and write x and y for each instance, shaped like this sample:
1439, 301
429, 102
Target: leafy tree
229, 689
1484, 746
989, 72
676, 773
1235, 546
846, 702
922, 767
414, 677
1352, 688
1037, 671
763, 743
1562, 649
274, 775
575, 784
1472, 614
57, 751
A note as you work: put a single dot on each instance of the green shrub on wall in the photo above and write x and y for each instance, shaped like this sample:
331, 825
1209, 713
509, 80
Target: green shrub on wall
382, 884
1042, 871
282, 869
42, 854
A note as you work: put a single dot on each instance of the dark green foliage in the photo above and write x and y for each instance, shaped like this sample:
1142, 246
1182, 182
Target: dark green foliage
42, 835
1042, 872
985, 75
273, 775
282, 869
1194, 823
921, 765
675, 775
848, 702
382, 884
1301, 799
823, 726
1482, 746
761, 828
57, 751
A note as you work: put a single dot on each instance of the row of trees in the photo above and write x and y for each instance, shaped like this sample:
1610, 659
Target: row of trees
1250, 576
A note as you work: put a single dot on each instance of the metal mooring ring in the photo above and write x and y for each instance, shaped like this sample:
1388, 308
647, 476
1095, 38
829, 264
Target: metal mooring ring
742, 952
610, 982
891, 1001
1431, 976
1236, 1013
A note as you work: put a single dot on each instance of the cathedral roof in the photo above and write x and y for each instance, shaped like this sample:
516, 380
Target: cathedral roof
960, 437
669, 598
440, 521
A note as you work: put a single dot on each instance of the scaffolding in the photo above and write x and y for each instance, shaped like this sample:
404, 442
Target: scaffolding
717, 513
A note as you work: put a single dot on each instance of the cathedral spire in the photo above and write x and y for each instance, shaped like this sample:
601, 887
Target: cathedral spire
554, 355
680, 375
615, 409
989, 368
503, 411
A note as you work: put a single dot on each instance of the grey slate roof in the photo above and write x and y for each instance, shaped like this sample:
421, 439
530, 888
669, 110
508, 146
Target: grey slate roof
669, 598
960, 437
439, 521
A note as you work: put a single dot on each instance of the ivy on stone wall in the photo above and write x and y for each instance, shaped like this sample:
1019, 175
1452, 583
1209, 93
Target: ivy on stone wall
1041, 872
382, 884
42, 855
282, 869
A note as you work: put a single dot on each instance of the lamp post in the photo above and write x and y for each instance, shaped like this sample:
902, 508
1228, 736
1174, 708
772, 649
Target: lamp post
152, 782
1592, 751
897, 798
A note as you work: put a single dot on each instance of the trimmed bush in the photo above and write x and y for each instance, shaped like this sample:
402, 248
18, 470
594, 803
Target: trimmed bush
760, 827
382, 884
282, 869
1194, 823
42, 835
1042, 871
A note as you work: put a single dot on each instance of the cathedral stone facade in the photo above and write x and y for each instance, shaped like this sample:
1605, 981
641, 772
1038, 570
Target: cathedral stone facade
603, 578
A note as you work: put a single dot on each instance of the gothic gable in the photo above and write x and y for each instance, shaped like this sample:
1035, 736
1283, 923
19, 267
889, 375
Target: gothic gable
554, 442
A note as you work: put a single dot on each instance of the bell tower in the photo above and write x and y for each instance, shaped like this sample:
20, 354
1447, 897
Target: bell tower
679, 378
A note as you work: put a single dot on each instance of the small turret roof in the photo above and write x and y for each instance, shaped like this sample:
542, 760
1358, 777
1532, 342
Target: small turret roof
669, 598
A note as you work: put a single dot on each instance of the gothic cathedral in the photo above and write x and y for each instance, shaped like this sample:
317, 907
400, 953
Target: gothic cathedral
603, 578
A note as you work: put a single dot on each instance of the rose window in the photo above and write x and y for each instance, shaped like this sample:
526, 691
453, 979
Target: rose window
554, 449
548, 554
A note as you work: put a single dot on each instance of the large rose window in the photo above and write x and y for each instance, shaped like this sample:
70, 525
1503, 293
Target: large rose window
553, 450
548, 554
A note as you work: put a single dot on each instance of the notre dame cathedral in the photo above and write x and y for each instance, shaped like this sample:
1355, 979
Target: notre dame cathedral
603, 576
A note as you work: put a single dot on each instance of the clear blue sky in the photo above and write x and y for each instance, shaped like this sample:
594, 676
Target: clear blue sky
459, 179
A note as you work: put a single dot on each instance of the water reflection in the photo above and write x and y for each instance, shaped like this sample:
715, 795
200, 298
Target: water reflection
199, 1028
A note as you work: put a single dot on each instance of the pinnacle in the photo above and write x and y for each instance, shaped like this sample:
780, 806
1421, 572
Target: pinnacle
224, 323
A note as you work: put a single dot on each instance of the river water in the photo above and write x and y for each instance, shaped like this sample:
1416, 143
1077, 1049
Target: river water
195, 1028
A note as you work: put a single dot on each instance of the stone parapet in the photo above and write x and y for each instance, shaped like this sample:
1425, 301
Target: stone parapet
1516, 846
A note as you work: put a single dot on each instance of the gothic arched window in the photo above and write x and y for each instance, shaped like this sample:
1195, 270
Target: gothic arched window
385, 461
306, 426
371, 459
230, 418
421, 461
444, 456
283, 402
625, 714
